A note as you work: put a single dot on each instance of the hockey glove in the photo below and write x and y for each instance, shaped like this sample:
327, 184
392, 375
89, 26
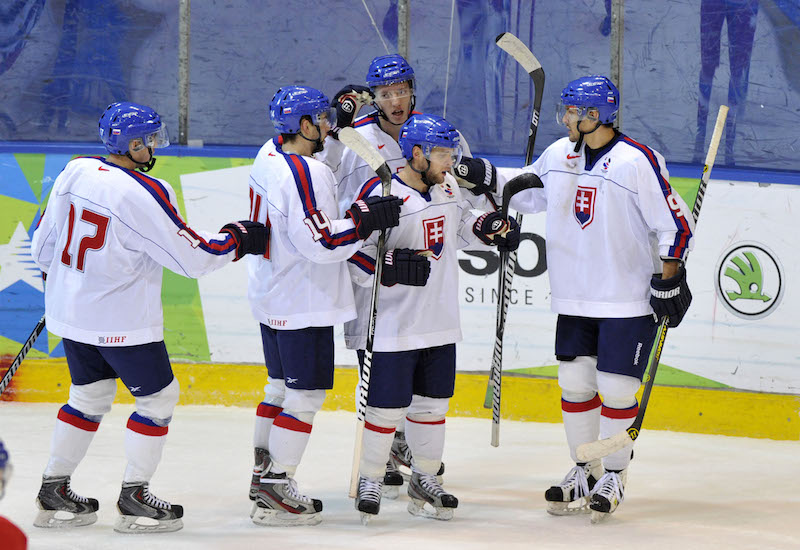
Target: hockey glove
250, 237
479, 176
406, 267
347, 102
670, 296
491, 228
510, 241
374, 213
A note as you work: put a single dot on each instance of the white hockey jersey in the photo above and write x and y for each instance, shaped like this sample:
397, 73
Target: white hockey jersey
303, 280
102, 241
607, 224
412, 317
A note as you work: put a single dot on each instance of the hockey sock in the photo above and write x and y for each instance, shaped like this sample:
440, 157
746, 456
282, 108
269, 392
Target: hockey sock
425, 438
144, 443
265, 416
288, 439
379, 430
581, 422
72, 436
612, 422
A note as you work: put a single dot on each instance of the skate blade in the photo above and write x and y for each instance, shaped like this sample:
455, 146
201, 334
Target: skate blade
366, 518
390, 491
599, 517
270, 517
59, 519
140, 525
564, 509
424, 509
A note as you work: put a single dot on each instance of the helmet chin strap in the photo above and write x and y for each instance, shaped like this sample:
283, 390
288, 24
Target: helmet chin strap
423, 173
317, 141
580, 138
143, 166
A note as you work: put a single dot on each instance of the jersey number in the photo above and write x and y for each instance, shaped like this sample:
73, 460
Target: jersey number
88, 242
317, 222
255, 211
673, 204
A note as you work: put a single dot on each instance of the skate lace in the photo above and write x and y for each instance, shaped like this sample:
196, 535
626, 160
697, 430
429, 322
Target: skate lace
431, 485
294, 493
72, 495
610, 487
154, 501
576, 479
370, 490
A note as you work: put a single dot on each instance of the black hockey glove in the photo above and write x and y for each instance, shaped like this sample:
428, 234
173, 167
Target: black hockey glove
406, 267
374, 213
510, 241
347, 102
670, 296
250, 237
491, 228
479, 176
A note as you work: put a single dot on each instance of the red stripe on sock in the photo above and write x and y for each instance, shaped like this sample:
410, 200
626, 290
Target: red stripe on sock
78, 422
631, 412
420, 422
568, 406
268, 411
144, 429
291, 423
379, 429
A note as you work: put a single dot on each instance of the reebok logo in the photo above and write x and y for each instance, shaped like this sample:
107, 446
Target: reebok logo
572, 156
101, 169
381, 146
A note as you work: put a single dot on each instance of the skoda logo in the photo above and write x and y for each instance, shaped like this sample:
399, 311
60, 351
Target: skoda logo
749, 280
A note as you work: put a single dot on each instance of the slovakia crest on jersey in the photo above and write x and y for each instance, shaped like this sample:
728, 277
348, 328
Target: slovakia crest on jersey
584, 205
434, 235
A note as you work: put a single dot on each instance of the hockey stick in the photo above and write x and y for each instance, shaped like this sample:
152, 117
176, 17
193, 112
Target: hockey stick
371, 156
604, 447
26, 347
508, 261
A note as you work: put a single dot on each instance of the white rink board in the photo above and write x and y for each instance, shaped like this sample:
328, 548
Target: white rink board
754, 354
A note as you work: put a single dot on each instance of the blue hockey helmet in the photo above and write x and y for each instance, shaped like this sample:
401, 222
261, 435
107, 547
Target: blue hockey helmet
591, 92
124, 121
429, 131
389, 69
292, 103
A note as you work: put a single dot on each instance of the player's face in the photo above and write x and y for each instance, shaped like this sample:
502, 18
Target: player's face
442, 160
575, 118
395, 101
138, 151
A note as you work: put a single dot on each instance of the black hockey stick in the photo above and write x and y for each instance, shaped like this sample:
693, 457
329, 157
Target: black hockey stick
26, 347
508, 262
604, 447
371, 156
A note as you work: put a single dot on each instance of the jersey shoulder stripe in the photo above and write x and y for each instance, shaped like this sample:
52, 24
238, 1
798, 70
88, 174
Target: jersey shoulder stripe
367, 188
161, 196
678, 248
371, 118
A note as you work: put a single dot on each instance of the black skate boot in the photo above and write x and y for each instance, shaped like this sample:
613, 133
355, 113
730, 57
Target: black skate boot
608, 494
60, 506
392, 481
142, 512
368, 499
280, 503
262, 462
571, 496
425, 489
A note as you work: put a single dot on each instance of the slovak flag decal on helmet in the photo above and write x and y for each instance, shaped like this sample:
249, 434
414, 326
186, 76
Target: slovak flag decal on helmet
434, 235
584, 205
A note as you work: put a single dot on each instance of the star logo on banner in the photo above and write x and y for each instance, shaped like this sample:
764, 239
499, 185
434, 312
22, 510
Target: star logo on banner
16, 263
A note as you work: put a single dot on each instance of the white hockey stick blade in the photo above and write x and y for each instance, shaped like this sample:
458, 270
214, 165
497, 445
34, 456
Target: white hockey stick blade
363, 149
604, 447
519, 51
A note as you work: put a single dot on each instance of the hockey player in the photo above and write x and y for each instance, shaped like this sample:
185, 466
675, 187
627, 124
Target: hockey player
107, 232
415, 355
12, 536
298, 291
612, 221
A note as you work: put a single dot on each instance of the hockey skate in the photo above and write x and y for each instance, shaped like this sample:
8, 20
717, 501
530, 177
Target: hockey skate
262, 462
60, 506
368, 499
400, 458
142, 512
607, 495
428, 499
280, 503
571, 496
392, 481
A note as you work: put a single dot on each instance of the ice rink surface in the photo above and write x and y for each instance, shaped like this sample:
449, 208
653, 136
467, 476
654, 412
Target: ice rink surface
685, 491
